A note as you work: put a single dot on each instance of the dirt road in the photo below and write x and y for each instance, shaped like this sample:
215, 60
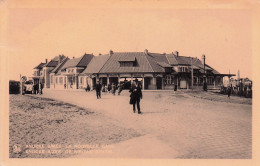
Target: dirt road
173, 125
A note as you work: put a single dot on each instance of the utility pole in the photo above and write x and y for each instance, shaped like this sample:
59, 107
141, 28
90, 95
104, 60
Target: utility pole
204, 75
21, 85
204, 58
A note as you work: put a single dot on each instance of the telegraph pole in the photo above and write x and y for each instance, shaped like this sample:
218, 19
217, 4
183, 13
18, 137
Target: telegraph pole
204, 58
204, 75
192, 76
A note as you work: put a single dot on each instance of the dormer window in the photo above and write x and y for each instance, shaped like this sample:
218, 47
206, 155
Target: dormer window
128, 62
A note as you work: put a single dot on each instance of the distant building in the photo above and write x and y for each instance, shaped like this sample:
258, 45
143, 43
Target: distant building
42, 71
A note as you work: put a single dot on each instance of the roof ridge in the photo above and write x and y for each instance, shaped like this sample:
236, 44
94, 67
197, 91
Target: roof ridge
148, 62
59, 66
80, 60
105, 62
167, 59
126, 52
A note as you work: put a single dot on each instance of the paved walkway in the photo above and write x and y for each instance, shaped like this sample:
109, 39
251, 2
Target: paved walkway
173, 124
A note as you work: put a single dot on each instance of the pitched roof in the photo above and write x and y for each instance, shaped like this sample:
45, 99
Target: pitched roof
40, 66
55, 61
158, 61
127, 59
113, 65
171, 59
52, 63
96, 64
163, 64
212, 70
159, 57
154, 64
56, 58
58, 67
145, 63
85, 60
183, 60
82, 61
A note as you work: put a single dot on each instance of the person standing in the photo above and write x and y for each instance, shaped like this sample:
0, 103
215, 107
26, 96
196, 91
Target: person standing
98, 89
135, 96
40, 88
108, 88
36, 88
88, 88
113, 89
229, 92
119, 89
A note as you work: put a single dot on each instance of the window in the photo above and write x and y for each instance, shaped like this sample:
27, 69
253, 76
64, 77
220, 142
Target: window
61, 80
169, 79
183, 69
56, 80
52, 79
127, 64
81, 80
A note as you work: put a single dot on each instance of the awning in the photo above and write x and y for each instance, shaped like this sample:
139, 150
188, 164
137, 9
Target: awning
125, 75
148, 75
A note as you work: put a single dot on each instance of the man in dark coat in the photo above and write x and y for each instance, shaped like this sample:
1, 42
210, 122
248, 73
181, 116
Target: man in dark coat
108, 88
136, 96
36, 88
40, 88
229, 91
98, 89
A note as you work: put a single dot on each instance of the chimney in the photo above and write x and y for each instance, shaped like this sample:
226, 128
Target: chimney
176, 53
146, 52
238, 74
73, 57
203, 59
59, 59
111, 52
46, 60
99, 54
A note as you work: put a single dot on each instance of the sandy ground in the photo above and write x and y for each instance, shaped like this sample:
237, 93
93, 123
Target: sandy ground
173, 125
36, 124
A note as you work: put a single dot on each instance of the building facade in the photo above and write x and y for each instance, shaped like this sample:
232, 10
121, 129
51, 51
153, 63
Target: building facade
152, 70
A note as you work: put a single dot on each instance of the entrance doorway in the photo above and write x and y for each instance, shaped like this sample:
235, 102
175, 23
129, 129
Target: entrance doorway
103, 80
71, 82
147, 81
113, 80
183, 84
159, 82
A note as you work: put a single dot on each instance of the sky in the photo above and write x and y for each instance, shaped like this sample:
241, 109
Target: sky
224, 35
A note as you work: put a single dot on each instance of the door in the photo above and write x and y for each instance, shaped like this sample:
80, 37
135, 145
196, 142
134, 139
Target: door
183, 84
159, 82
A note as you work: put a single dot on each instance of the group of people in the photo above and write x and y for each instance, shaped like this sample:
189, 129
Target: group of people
107, 88
37, 88
135, 93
